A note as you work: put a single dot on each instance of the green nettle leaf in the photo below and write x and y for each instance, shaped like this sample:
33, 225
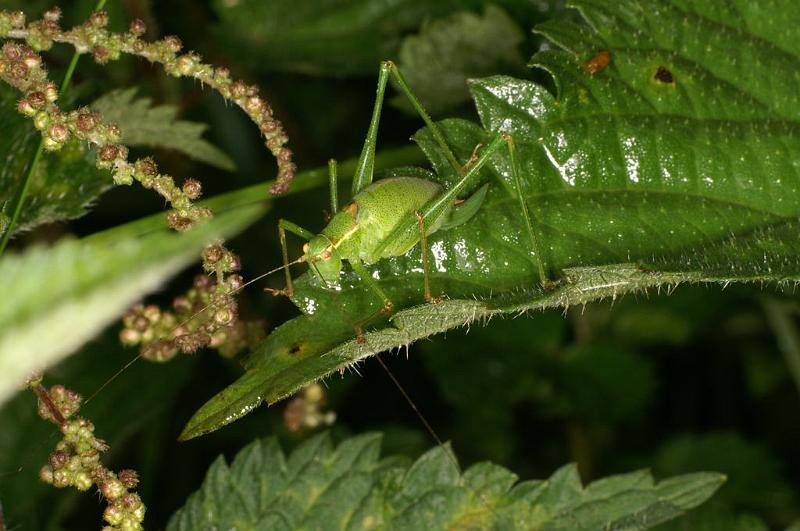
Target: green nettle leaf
157, 127
350, 487
677, 162
56, 298
63, 184
438, 61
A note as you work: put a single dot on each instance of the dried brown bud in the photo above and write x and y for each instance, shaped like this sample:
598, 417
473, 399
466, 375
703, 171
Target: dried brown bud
213, 253
173, 43
100, 54
36, 99
52, 15
12, 51
178, 222
108, 152
99, 19
147, 167
235, 282
129, 478
18, 71
58, 459
201, 281
58, 132
192, 188
129, 337
268, 126
86, 121
137, 27
238, 90
254, 105
181, 304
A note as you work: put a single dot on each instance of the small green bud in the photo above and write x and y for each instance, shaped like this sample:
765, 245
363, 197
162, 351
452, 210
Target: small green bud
112, 488
113, 514
50, 92
24, 107
41, 120
83, 481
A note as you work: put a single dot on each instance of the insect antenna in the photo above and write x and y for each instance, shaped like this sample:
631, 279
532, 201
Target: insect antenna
410, 402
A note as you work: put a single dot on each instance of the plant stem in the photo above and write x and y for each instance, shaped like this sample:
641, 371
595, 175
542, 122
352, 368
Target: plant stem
23, 190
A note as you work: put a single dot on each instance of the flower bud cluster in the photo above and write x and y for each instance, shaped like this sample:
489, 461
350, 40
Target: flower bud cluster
305, 410
75, 462
205, 316
93, 37
21, 67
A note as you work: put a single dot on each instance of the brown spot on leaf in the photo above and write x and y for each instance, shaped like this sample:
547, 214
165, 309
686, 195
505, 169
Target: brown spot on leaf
295, 349
598, 63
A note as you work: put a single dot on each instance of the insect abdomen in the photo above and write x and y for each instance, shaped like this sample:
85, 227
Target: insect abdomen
383, 204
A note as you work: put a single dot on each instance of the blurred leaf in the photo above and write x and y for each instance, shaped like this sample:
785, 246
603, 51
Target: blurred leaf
157, 127
710, 518
781, 316
63, 184
606, 383
663, 200
754, 480
446, 52
486, 374
319, 487
56, 298
328, 37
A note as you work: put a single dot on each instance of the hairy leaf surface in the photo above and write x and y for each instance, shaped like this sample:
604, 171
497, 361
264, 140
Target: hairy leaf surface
143, 124
64, 183
677, 161
350, 487
446, 52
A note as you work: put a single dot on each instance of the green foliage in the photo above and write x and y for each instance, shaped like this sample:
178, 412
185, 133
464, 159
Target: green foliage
755, 478
351, 488
63, 184
697, 103
324, 36
679, 190
59, 297
448, 51
157, 127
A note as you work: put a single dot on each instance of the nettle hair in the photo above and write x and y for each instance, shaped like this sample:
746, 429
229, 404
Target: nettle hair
206, 316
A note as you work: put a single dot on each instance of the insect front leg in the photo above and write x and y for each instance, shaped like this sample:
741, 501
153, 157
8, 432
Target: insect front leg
334, 186
283, 227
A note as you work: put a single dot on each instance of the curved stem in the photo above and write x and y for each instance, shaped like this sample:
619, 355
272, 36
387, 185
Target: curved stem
23, 190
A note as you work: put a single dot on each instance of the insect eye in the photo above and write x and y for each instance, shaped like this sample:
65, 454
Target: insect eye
305, 248
325, 255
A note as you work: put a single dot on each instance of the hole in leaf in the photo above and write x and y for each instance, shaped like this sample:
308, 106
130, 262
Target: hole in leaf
663, 75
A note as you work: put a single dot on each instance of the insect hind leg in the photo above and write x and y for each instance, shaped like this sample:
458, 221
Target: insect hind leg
534, 241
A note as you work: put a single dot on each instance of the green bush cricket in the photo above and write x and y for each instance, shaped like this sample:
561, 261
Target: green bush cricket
389, 217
